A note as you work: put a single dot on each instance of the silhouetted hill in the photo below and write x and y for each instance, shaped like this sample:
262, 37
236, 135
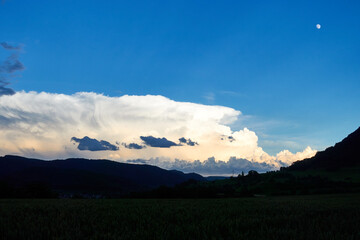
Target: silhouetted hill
214, 178
344, 154
310, 176
85, 176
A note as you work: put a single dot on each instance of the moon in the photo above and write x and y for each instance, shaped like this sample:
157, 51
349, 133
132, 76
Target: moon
318, 26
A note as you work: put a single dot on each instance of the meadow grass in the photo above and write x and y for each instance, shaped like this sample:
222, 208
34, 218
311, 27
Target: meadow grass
293, 217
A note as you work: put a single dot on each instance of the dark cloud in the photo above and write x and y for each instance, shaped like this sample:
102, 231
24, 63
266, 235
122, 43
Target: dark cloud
188, 141
91, 144
133, 146
213, 167
6, 91
11, 64
229, 138
191, 143
10, 47
8, 67
158, 142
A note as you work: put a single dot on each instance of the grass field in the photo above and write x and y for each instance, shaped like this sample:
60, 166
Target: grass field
295, 217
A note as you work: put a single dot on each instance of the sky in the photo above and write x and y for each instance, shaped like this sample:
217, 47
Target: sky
136, 76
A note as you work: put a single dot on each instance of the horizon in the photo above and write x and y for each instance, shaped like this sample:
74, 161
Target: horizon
179, 85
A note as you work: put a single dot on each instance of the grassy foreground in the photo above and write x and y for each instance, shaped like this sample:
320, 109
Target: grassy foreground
294, 217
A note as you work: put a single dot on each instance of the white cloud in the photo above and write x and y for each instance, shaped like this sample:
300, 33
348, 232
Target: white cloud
41, 125
210, 97
287, 157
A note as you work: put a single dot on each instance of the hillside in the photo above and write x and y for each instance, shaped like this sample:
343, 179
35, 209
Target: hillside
343, 155
335, 170
83, 176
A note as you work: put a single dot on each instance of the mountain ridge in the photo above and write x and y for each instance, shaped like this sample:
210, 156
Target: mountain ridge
88, 176
343, 154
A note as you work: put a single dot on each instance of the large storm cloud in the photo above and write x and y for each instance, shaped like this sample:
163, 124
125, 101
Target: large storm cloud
41, 124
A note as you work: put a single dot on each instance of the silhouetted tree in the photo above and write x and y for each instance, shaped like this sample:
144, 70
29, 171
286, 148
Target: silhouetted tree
253, 173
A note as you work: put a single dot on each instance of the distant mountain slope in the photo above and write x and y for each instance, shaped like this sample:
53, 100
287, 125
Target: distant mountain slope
214, 178
344, 154
88, 176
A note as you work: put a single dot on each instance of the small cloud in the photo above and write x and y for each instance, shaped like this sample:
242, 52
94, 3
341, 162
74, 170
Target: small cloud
187, 141
210, 96
133, 146
191, 143
158, 142
232, 93
10, 47
91, 144
229, 138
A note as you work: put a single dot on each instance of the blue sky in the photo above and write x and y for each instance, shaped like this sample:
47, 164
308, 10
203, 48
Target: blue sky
296, 85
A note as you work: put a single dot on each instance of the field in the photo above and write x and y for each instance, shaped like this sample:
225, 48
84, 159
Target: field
294, 217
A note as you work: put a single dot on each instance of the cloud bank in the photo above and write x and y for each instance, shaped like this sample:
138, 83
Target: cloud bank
41, 124
211, 166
